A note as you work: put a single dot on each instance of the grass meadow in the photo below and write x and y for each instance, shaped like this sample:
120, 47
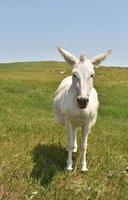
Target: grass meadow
33, 147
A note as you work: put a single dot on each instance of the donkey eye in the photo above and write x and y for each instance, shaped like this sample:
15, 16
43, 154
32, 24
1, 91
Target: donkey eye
74, 75
92, 75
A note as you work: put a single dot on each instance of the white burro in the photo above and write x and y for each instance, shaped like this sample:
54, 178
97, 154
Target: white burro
76, 102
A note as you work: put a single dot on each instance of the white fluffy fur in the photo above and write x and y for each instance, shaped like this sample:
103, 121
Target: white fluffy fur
66, 109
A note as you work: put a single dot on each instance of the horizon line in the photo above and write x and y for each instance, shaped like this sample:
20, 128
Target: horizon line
33, 61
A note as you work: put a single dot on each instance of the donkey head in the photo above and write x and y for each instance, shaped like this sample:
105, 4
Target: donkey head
82, 74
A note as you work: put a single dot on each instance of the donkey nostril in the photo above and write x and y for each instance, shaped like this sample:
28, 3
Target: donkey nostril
87, 100
78, 99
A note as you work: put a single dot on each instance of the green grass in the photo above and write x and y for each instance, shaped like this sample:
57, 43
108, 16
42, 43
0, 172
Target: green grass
33, 148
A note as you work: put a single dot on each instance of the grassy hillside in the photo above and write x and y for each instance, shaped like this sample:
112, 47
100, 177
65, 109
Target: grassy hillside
33, 148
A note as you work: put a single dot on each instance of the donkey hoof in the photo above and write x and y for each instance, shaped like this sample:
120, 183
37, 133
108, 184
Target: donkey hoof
84, 169
69, 167
75, 149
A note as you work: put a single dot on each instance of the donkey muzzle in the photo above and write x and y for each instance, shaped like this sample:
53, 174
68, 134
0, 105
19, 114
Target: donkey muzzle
82, 102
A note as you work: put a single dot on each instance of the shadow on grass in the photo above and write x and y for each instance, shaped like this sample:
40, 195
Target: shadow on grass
48, 160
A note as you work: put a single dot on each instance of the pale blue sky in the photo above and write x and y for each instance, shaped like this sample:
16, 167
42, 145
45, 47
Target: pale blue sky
31, 29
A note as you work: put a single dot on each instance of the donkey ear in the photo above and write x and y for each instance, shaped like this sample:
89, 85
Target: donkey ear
69, 58
98, 59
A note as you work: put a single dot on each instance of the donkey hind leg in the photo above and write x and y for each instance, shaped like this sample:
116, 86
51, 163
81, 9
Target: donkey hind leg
85, 132
70, 133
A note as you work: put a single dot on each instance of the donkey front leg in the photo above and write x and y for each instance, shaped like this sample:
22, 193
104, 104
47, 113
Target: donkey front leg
70, 133
74, 141
85, 132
